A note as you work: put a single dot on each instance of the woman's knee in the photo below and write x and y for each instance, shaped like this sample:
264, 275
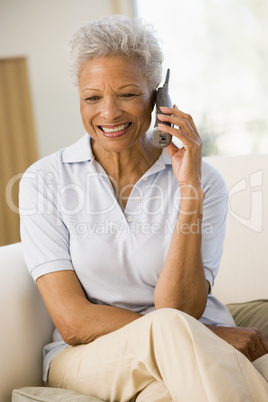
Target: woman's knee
169, 318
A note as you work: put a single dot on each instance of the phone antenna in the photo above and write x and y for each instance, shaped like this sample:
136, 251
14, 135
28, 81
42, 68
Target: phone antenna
167, 78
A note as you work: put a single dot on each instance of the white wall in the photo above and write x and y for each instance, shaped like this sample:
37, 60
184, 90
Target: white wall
39, 30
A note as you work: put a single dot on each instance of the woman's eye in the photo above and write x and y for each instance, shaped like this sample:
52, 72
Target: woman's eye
92, 98
128, 95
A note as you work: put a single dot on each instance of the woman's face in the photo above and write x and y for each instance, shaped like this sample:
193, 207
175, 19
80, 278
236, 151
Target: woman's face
115, 102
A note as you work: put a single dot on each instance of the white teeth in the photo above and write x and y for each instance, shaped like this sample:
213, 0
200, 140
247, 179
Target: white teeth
115, 129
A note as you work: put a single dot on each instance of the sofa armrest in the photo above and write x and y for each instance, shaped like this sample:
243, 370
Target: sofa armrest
25, 324
251, 314
243, 274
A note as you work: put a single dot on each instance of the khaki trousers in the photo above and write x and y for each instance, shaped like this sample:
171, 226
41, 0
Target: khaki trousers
164, 356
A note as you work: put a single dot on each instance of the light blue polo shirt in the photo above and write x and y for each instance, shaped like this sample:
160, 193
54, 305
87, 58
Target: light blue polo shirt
71, 220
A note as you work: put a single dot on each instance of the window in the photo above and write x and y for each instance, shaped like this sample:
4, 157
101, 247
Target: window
17, 142
218, 55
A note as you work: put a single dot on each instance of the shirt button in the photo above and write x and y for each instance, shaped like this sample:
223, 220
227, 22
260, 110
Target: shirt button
129, 219
145, 178
138, 199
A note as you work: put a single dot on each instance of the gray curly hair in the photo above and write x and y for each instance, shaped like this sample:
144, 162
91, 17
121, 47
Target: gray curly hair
117, 36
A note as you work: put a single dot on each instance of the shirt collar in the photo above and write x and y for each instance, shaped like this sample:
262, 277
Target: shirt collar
165, 157
81, 151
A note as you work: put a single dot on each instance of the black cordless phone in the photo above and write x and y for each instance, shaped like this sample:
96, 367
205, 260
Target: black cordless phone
161, 139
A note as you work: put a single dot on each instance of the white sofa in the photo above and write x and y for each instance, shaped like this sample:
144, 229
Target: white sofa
26, 326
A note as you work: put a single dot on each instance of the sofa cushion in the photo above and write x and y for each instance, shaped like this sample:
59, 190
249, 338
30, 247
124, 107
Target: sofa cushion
251, 314
45, 394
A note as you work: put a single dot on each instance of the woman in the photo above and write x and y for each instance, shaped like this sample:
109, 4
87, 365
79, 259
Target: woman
124, 241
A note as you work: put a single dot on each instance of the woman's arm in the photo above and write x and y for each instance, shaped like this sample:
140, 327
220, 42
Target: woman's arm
45, 239
182, 283
78, 320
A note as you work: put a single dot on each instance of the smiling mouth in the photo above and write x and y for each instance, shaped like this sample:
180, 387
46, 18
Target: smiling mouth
114, 129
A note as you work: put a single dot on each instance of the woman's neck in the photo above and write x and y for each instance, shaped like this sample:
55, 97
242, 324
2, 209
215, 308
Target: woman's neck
125, 168
129, 163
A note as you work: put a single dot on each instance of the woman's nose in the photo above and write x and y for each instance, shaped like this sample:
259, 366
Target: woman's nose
110, 109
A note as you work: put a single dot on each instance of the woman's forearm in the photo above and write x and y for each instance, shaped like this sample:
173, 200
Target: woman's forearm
182, 283
76, 318
96, 321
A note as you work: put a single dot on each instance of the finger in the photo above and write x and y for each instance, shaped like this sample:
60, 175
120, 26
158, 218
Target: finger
262, 340
188, 142
173, 149
265, 344
177, 132
249, 356
247, 349
243, 348
177, 112
260, 348
181, 122
254, 353
257, 346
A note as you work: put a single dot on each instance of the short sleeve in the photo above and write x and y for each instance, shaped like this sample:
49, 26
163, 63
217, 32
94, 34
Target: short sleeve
44, 236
